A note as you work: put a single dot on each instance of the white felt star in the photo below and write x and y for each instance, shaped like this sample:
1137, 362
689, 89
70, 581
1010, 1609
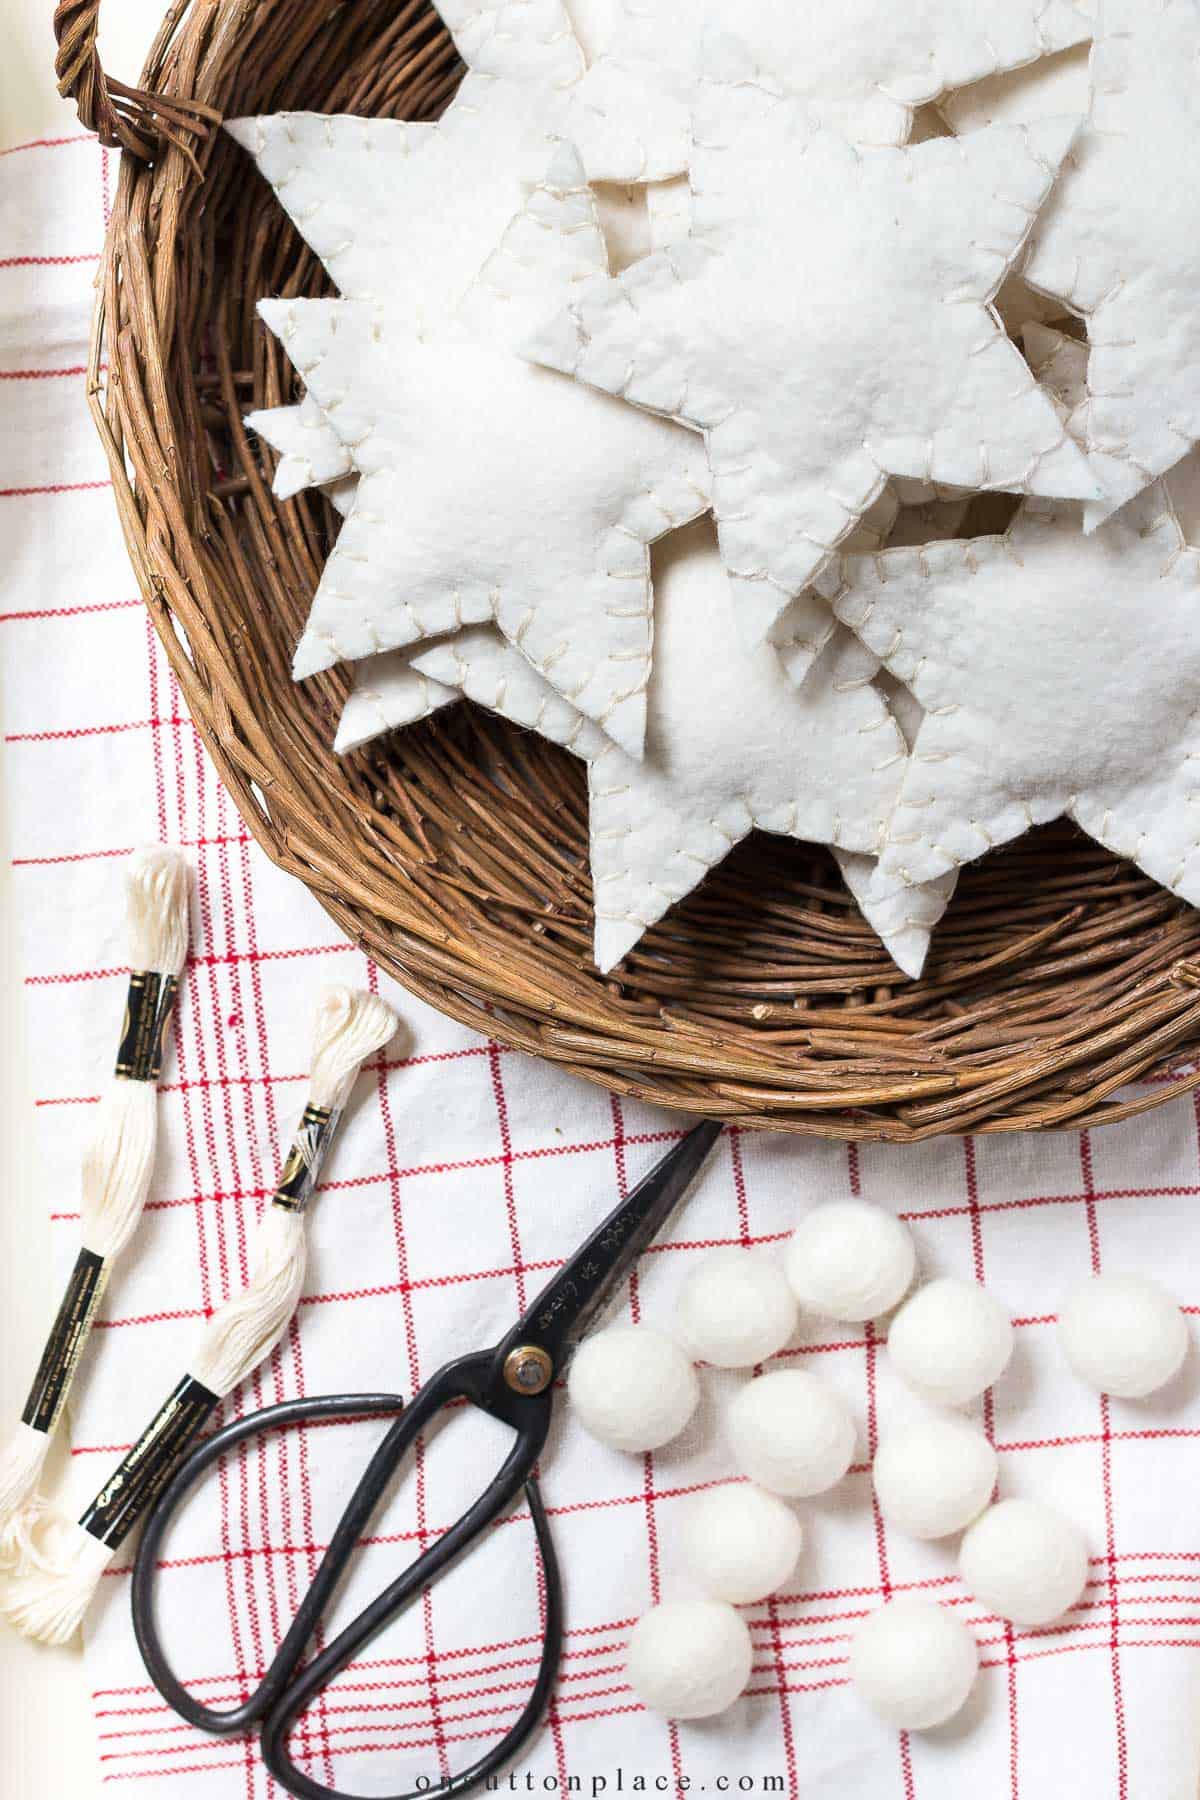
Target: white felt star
1053, 88
311, 454
885, 359
862, 67
595, 23
1120, 243
1061, 365
907, 512
731, 745
393, 691
522, 40
406, 215
1050, 89
1041, 659
903, 914
389, 693
491, 489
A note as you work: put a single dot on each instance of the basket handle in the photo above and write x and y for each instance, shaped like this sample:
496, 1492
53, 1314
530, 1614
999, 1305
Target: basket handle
123, 118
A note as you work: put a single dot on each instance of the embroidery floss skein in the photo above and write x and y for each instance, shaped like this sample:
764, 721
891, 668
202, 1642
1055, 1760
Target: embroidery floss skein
117, 1168
50, 1593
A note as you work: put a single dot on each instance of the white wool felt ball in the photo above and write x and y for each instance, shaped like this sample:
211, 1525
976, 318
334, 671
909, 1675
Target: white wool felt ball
913, 1663
951, 1341
689, 1659
1024, 1561
734, 1309
933, 1477
791, 1434
851, 1261
1123, 1335
632, 1388
740, 1543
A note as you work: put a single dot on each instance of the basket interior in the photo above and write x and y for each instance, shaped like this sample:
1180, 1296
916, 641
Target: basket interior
456, 852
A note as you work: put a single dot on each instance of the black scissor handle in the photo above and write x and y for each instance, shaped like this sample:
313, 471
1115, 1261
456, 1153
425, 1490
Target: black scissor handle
319, 1673
278, 1701
322, 1409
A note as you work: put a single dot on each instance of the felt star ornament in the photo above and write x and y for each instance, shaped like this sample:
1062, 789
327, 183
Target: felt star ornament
862, 67
1061, 364
731, 745
1058, 673
491, 489
903, 915
595, 23
406, 214
393, 691
886, 358
1120, 243
1049, 89
524, 40
311, 454
403, 214
389, 693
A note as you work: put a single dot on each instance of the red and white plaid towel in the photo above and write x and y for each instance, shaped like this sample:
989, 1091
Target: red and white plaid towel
463, 1175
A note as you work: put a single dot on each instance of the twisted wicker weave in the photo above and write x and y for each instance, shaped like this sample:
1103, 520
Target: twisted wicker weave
455, 853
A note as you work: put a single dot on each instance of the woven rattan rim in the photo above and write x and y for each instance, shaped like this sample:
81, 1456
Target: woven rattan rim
456, 853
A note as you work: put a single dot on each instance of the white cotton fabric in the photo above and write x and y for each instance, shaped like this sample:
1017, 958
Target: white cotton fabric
807, 409
430, 1243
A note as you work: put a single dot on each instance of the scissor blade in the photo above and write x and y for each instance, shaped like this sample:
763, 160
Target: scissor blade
568, 1305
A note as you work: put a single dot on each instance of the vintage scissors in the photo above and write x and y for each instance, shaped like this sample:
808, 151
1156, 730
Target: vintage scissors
512, 1382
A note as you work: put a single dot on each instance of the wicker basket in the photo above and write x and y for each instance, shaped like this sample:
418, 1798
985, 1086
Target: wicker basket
456, 853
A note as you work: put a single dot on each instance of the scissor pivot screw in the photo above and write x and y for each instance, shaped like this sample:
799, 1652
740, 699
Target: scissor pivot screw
528, 1369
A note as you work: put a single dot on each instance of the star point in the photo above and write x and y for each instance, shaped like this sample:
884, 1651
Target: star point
1122, 260
1039, 657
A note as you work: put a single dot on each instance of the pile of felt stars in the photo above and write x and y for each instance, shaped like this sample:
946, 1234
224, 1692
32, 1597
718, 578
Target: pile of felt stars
671, 385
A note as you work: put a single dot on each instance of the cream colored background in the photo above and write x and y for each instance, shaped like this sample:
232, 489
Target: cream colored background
47, 1744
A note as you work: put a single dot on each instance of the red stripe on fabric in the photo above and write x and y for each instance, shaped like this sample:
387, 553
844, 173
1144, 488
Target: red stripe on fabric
742, 1200
152, 684
1085, 1163
252, 1499
1035, 1200
414, 1372
205, 960
50, 143
268, 1080
1034, 1644
71, 733
78, 856
971, 1176
47, 262
53, 487
870, 1354
72, 612
207, 1223
42, 374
